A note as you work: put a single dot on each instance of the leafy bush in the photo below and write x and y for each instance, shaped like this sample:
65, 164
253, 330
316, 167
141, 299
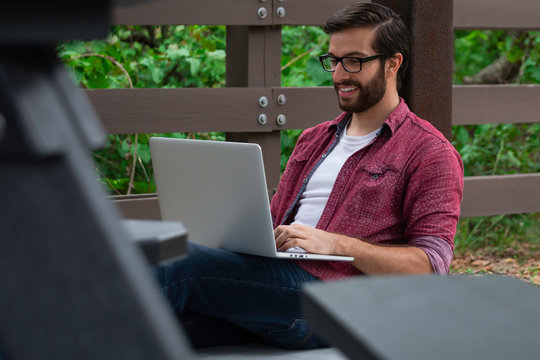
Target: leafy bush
144, 57
153, 56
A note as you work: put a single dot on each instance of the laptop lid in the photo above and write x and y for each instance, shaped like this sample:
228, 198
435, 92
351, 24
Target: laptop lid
218, 191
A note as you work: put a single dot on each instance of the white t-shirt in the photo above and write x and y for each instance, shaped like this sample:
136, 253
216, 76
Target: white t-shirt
318, 189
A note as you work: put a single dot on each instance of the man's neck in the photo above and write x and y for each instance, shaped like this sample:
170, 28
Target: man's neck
370, 120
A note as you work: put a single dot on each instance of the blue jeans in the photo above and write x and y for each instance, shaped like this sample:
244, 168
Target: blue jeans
224, 298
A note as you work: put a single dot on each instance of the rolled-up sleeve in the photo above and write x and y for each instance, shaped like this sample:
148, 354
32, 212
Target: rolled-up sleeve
438, 251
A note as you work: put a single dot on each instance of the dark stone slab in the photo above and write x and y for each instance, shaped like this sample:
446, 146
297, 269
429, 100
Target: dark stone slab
428, 317
160, 241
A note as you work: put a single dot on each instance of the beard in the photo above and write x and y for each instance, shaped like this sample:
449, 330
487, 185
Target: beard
367, 96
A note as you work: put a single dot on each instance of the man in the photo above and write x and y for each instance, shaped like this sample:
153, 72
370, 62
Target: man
377, 183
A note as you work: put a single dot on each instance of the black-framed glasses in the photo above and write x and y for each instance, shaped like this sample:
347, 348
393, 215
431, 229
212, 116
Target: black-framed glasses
350, 63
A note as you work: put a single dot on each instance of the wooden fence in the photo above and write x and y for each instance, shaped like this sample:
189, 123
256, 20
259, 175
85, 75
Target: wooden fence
253, 71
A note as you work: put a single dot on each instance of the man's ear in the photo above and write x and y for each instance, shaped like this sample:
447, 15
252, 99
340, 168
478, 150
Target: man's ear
393, 63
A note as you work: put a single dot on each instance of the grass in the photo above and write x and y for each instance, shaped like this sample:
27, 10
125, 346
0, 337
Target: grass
498, 233
501, 245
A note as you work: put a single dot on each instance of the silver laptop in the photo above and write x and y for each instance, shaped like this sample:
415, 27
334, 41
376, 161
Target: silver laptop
217, 190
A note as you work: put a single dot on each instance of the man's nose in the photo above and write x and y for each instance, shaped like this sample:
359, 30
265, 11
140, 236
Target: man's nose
339, 73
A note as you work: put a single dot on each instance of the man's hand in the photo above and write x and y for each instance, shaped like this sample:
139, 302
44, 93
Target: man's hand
308, 238
368, 257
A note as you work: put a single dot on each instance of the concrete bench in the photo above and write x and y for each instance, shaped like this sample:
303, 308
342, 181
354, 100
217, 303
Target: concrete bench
427, 317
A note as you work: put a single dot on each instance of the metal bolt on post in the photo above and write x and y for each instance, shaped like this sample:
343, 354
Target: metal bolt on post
262, 13
263, 101
263, 119
281, 120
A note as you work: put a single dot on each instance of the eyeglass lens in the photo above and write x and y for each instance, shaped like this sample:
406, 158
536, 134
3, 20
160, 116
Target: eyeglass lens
350, 64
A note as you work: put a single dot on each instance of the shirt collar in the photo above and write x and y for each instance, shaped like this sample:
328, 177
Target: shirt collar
393, 121
398, 116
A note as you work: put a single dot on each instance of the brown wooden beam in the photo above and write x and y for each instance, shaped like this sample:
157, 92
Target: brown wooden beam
306, 107
188, 12
139, 206
468, 14
129, 111
125, 111
495, 104
227, 12
497, 14
483, 196
501, 194
307, 12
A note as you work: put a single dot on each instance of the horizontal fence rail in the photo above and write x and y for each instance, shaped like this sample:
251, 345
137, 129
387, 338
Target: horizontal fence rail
228, 12
496, 14
501, 195
135, 111
468, 14
482, 196
129, 111
143, 206
495, 104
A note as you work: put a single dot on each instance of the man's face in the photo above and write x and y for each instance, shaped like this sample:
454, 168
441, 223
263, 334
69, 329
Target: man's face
357, 92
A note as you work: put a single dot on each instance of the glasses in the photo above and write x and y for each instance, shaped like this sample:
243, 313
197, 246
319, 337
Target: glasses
350, 63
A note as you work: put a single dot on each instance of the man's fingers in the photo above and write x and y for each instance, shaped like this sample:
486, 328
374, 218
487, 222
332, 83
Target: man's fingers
290, 243
280, 235
285, 233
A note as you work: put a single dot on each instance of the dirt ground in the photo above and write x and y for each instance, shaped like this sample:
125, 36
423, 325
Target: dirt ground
523, 263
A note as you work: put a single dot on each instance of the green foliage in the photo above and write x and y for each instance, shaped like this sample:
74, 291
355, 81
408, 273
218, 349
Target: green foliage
144, 57
476, 49
497, 232
153, 56
301, 47
531, 66
498, 149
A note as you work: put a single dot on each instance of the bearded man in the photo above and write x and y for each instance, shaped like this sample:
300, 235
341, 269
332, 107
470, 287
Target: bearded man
377, 183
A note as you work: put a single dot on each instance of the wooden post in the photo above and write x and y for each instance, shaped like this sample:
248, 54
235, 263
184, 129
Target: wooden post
254, 60
428, 85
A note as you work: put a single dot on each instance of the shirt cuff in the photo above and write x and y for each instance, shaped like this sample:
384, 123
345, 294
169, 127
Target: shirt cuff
438, 250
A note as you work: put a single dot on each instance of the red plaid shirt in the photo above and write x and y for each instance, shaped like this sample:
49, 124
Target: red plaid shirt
405, 187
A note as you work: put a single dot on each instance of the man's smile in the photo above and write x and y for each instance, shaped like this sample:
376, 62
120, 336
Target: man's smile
346, 90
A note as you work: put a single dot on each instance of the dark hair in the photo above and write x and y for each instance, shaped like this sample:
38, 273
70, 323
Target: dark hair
391, 34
